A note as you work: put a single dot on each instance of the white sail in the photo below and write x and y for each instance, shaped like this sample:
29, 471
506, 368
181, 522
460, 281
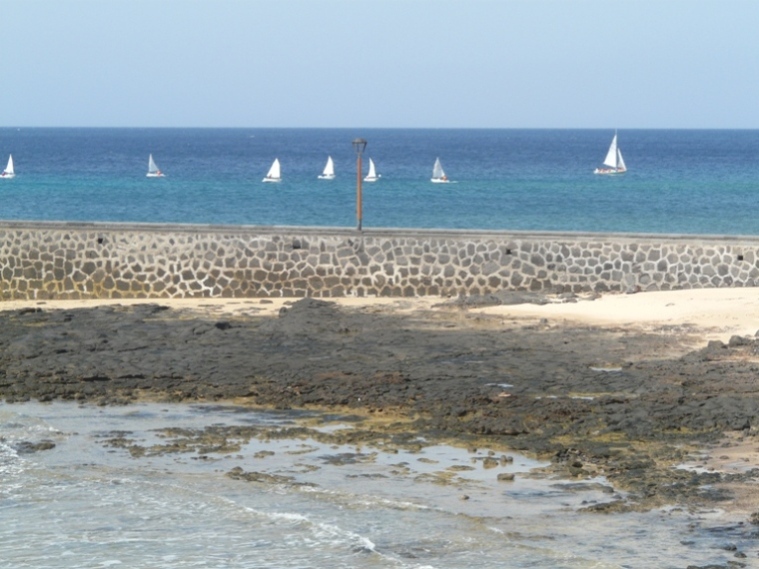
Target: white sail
329, 170
614, 162
9, 172
438, 175
611, 159
274, 174
372, 175
153, 170
620, 161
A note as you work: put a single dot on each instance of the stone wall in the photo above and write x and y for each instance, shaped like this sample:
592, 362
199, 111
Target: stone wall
89, 260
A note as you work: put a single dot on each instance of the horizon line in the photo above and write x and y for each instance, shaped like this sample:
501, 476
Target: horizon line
353, 128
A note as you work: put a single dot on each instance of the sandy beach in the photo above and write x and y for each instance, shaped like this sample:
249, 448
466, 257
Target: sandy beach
712, 314
627, 386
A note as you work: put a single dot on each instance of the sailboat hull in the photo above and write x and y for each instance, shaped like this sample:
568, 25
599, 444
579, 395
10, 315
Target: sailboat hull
610, 171
439, 181
326, 176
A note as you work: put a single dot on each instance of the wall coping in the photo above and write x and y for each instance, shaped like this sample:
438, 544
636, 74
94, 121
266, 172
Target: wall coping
368, 232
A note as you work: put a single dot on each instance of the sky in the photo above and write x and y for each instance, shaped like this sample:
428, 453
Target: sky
380, 63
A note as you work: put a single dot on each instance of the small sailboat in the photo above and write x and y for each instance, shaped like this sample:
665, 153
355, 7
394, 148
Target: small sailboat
372, 175
329, 170
438, 175
153, 171
614, 162
8, 172
274, 174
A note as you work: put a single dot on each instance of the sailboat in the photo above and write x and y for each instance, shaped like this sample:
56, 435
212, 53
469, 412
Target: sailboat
329, 170
8, 172
372, 175
153, 171
274, 174
614, 162
438, 175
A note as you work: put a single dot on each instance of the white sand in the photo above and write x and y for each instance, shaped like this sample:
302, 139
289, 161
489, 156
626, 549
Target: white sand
714, 313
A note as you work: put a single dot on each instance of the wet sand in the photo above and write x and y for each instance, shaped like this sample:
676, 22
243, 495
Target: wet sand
624, 386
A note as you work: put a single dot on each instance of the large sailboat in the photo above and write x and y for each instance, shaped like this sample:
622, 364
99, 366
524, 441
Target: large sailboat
274, 174
8, 172
614, 162
438, 175
329, 170
372, 175
153, 170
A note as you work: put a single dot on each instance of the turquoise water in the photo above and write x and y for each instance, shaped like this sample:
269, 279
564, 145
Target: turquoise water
679, 181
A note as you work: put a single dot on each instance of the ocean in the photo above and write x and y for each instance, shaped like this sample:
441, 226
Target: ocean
678, 181
91, 502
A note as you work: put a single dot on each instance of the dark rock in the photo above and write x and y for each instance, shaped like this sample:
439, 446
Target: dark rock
615, 506
238, 473
27, 447
737, 341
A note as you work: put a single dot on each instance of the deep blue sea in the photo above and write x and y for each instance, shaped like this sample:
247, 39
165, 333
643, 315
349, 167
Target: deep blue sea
678, 181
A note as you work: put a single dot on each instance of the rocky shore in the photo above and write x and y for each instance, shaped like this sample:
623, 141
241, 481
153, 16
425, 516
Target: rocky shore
621, 401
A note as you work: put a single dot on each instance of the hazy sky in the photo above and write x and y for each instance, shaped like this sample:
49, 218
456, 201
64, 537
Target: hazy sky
380, 63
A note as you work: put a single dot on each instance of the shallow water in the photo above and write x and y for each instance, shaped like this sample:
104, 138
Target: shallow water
85, 503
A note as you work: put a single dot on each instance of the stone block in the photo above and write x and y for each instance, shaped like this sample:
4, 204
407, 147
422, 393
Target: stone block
224, 263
